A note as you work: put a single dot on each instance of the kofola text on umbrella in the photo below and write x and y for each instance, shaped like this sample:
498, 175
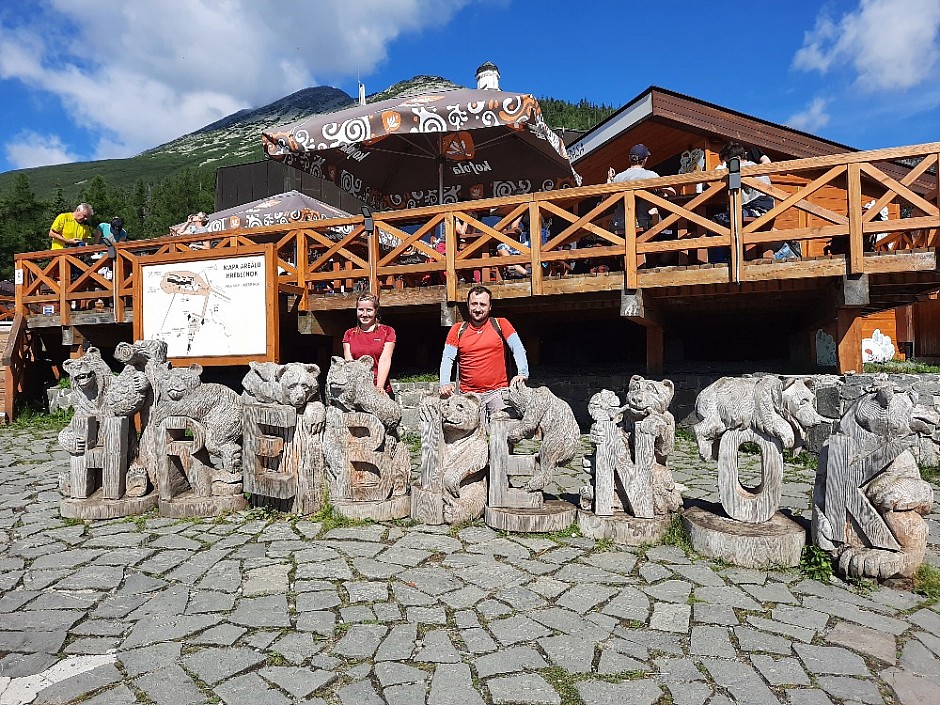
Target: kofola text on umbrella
351, 151
472, 167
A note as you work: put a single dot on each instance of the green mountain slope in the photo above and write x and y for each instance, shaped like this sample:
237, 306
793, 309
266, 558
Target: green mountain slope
236, 139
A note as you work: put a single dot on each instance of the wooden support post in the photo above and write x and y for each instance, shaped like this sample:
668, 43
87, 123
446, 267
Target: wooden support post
373, 259
856, 241
450, 256
630, 262
849, 340
634, 306
535, 245
65, 310
117, 282
737, 253
303, 264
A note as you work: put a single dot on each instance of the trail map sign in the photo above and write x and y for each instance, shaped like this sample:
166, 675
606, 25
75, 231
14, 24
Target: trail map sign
209, 307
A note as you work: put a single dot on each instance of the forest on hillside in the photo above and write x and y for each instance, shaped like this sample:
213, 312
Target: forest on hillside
150, 208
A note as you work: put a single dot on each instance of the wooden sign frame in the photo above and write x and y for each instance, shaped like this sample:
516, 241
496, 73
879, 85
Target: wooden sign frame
272, 348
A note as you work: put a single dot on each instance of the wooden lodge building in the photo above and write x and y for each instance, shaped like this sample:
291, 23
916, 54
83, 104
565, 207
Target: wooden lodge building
650, 299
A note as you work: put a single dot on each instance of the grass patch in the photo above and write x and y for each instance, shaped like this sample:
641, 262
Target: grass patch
900, 367
677, 535
275, 658
603, 545
927, 582
564, 682
803, 459
413, 442
930, 473
816, 564
686, 434
420, 377
330, 518
29, 418
571, 532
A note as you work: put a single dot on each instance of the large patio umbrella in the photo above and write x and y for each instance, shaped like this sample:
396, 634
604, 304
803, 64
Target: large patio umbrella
425, 150
282, 209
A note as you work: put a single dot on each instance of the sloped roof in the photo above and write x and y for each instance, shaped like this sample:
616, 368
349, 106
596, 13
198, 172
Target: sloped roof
664, 120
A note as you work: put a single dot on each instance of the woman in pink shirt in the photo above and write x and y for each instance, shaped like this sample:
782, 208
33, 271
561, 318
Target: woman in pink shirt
371, 338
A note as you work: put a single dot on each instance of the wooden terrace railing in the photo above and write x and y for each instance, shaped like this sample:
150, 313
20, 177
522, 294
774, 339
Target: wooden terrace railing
818, 203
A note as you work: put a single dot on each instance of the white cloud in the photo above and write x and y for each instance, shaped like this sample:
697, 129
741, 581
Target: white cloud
890, 44
812, 119
29, 148
141, 73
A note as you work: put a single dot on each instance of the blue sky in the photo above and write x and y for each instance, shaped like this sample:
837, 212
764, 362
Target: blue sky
93, 79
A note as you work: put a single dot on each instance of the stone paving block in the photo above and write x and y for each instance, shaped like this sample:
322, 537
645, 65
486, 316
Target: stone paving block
770, 592
260, 612
72, 689
513, 630
299, 682
630, 603
357, 613
784, 671
699, 574
670, 591
808, 696
437, 648
366, 591
862, 639
521, 598
405, 694
788, 630
711, 641
931, 641
582, 598
638, 692
453, 685
361, 640
855, 614
205, 601
801, 617
572, 653
249, 689
688, 693
677, 670
314, 601
669, 617
614, 662
222, 635
917, 658
269, 580
613, 561
48, 642
336, 569
927, 619
525, 689
728, 596
741, 681
317, 622
399, 645
213, 665
548, 587
24, 665
477, 640
463, 598
752, 640
511, 660
851, 689
154, 629
594, 628
119, 695
386, 612
170, 686
392, 673
720, 615
427, 615
92, 645
831, 660
910, 688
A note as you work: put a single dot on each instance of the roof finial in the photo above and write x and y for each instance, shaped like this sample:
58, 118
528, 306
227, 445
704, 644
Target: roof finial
488, 76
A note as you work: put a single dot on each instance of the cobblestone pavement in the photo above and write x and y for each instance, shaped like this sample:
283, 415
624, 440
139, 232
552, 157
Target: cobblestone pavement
257, 609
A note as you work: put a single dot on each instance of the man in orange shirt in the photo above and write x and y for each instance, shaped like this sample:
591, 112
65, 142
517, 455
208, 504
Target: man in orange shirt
479, 346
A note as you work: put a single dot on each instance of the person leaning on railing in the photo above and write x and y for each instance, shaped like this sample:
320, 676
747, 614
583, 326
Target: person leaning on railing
72, 229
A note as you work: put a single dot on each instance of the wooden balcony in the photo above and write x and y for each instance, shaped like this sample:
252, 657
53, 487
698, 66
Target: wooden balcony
672, 264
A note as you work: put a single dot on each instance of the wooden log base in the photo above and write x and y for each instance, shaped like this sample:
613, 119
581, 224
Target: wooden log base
775, 543
190, 505
427, 506
385, 510
97, 507
553, 515
623, 528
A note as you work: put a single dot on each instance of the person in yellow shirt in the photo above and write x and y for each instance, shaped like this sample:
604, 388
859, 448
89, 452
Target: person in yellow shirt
72, 229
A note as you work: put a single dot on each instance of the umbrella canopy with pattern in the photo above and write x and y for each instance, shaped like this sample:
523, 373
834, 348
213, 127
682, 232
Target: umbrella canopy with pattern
429, 149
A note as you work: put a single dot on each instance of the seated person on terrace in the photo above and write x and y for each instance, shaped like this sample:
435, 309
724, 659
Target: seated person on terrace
753, 203
72, 229
521, 224
109, 233
639, 155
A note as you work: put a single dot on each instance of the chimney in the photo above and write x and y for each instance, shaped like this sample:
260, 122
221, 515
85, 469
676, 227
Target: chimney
488, 77
362, 93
